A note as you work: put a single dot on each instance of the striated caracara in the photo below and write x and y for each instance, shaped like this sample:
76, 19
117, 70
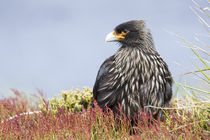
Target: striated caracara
135, 76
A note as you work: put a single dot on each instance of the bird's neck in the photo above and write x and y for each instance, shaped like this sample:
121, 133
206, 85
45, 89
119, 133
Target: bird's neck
128, 56
132, 60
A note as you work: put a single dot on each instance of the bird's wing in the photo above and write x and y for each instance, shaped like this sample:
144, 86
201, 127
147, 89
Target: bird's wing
103, 91
168, 88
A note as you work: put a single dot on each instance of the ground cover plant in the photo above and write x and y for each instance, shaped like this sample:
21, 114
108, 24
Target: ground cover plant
187, 118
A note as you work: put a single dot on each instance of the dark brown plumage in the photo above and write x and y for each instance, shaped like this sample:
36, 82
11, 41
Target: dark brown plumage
135, 76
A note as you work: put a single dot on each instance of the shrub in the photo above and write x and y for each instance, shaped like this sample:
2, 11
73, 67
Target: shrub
72, 101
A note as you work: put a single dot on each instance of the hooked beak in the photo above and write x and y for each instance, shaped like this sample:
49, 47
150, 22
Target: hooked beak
114, 36
111, 37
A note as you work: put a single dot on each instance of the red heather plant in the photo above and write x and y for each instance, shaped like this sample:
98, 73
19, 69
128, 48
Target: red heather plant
20, 103
97, 124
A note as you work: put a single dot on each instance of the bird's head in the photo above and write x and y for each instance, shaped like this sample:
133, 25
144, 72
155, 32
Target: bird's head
128, 33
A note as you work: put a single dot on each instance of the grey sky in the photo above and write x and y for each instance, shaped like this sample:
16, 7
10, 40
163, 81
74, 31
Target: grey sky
55, 45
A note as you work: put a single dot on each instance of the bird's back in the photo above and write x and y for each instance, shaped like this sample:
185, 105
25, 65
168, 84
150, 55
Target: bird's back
135, 79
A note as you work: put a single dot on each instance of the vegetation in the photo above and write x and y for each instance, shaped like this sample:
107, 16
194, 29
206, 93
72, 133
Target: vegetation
72, 101
186, 118
69, 116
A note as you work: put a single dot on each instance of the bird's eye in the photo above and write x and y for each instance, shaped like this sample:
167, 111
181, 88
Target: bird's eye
125, 31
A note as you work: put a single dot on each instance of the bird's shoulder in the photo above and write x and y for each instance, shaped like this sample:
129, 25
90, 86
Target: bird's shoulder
103, 73
104, 68
102, 90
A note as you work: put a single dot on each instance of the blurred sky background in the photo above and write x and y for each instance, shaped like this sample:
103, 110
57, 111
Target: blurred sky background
54, 45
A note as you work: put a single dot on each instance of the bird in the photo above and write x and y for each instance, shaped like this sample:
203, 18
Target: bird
136, 77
